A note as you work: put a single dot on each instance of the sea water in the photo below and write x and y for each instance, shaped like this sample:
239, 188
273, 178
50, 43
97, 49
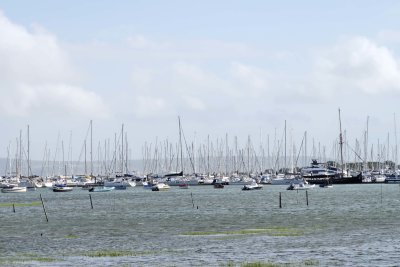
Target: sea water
346, 225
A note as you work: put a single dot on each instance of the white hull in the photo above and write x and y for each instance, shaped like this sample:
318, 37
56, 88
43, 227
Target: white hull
160, 187
301, 186
253, 186
15, 189
48, 184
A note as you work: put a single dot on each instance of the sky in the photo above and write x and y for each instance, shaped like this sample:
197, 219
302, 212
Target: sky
240, 68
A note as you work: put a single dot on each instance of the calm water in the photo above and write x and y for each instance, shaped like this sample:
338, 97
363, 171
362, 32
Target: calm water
347, 225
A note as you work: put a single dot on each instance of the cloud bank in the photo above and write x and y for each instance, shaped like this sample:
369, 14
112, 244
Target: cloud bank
36, 76
359, 65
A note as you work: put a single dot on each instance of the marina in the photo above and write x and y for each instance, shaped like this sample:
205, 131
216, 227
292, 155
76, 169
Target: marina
346, 225
199, 133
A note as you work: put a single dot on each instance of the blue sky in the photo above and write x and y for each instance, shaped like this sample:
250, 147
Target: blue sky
236, 67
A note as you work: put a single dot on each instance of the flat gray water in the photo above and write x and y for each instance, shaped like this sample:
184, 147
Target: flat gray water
347, 225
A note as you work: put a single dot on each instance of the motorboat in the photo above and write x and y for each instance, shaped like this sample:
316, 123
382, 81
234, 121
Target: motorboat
326, 185
62, 188
302, 186
14, 189
160, 187
252, 186
219, 185
101, 189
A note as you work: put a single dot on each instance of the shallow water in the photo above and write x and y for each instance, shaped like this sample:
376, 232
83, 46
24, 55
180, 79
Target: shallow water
347, 225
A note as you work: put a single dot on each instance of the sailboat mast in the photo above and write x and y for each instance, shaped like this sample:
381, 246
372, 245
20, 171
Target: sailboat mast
122, 150
20, 154
180, 142
91, 148
395, 142
126, 153
85, 158
28, 154
285, 149
341, 143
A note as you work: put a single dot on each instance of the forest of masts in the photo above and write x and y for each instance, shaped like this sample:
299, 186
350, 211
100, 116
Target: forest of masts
274, 154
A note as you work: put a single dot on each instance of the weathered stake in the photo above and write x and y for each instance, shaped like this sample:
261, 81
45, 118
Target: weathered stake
13, 207
280, 200
191, 195
91, 203
44, 209
307, 197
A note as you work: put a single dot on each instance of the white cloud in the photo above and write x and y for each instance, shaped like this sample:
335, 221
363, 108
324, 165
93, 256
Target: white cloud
358, 64
37, 77
54, 99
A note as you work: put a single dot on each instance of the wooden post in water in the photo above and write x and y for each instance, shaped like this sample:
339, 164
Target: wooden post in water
191, 195
91, 203
13, 207
307, 196
280, 200
44, 209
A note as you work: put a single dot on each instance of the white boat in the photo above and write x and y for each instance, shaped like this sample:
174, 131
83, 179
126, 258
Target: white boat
101, 189
265, 179
236, 179
252, 186
62, 188
318, 171
178, 180
301, 186
379, 178
131, 183
13, 189
160, 187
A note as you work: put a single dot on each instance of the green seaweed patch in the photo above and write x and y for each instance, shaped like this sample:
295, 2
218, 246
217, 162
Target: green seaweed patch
271, 264
114, 253
311, 262
32, 204
264, 231
255, 264
261, 264
71, 236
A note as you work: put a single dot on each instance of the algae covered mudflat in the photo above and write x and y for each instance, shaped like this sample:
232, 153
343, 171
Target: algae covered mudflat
345, 225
